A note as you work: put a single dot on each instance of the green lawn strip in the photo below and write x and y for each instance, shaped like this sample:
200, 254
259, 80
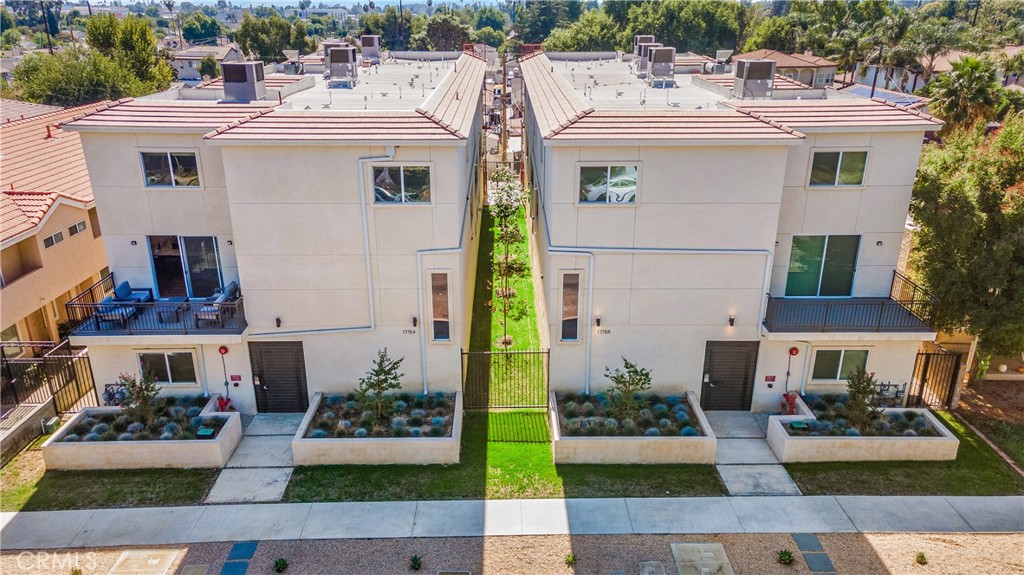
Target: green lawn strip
499, 469
1009, 436
26, 486
977, 470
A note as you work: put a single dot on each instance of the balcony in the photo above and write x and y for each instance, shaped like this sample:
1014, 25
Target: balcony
907, 309
89, 315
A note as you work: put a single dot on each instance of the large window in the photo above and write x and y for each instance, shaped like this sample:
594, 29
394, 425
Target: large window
822, 266
169, 368
171, 169
401, 184
440, 308
11, 334
608, 184
838, 168
838, 364
570, 306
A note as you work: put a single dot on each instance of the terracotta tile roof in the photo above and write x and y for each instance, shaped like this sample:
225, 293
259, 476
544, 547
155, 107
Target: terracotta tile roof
690, 59
780, 83
33, 161
200, 52
317, 125
944, 63
702, 125
851, 113
447, 114
23, 211
555, 102
17, 110
271, 81
167, 115
784, 60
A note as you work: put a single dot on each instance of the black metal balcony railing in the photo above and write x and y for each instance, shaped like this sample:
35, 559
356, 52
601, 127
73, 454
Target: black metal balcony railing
89, 314
907, 309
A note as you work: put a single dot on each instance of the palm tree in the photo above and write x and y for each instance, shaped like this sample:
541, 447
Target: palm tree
892, 35
934, 39
1011, 65
967, 93
850, 46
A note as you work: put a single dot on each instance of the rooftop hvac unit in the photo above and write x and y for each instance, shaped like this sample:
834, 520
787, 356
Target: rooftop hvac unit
641, 39
243, 81
328, 46
342, 65
754, 79
663, 67
722, 55
371, 48
644, 58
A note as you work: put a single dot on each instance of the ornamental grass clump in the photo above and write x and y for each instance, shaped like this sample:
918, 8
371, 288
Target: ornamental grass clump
166, 418
843, 416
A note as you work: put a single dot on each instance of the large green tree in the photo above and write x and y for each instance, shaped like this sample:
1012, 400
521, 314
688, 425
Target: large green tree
967, 93
595, 31
539, 17
266, 38
969, 203
446, 31
199, 27
72, 77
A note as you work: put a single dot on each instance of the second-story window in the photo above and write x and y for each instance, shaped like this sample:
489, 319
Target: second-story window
77, 228
401, 184
171, 169
50, 241
838, 168
608, 184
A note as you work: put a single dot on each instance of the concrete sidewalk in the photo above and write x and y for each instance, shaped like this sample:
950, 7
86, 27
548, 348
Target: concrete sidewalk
774, 514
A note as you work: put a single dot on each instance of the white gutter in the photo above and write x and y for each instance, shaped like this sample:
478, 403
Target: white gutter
389, 154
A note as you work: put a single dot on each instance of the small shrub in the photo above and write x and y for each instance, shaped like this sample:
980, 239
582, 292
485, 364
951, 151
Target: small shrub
415, 421
135, 427
124, 437
415, 563
588, 409
921, 559
186, 435
570, 560
910, 433
569, 397
109, 436
438, 421
332, 400
324, 424
89, 421
91, 437
785, 557
70, 438
571, 409
652, 431
344, 424
689, 431
399, 422
852, 432
366, 418
418, 413
910, 416
329, 415
659, 409
100, 428
416, 432
120, 424
140, 396
172, 428
400, 406
436, 431
628, 425
420, 400
166, 436
361, 432
319, 433
611, 424
351, 405
673, 400
142, 436
280, 564
665, 422
627, 382
682, 418
197, 421
193, 411
384, 376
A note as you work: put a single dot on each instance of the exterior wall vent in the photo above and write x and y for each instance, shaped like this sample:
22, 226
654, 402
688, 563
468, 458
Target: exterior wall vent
663, 67
371, 48
243, 81
754, 79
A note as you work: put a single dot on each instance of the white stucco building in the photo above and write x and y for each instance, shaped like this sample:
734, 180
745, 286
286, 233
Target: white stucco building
283, 241
705, 237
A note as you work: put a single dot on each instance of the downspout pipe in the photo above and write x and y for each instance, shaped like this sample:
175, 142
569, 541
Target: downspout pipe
389, 154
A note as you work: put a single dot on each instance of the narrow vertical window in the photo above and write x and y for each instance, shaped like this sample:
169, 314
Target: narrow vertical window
440, 308
571, 307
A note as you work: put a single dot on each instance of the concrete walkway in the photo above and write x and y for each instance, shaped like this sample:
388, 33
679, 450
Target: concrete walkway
261, 466
372, 520
744, 460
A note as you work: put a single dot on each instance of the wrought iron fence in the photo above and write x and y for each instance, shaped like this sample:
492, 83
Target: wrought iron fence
45, 371
505, 379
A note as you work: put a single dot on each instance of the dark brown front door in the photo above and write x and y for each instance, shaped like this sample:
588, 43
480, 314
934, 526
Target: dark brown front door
279, 376
728, 375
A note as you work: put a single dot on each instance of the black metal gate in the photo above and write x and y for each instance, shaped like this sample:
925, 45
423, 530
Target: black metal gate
62, 372
505, 379
934, 379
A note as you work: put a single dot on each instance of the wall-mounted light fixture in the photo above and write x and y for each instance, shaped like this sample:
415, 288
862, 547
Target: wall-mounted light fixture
135, 243
878, 243
732, 320
231, 243
415, 321
277, 320
598, 321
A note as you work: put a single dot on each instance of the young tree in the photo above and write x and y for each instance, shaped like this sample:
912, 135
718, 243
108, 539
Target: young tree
969, 203
505, 196
627, 382
860, 410
967, 93
383, 377
140, 396
208, 67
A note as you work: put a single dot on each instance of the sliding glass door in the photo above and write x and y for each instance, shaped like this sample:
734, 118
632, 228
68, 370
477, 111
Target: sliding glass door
185, 266
822, 266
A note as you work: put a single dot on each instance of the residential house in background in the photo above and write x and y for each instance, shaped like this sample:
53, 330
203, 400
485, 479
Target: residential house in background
738, 247
806, 68
49, 230
271, 246
186, 62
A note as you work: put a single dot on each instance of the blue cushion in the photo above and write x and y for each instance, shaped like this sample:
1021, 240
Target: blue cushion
123, 290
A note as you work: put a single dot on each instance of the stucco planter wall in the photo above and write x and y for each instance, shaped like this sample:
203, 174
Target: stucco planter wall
639, 449
793, 449
376, 450
156, 453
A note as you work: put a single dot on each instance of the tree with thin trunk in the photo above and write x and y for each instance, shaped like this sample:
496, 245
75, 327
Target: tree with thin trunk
505, 195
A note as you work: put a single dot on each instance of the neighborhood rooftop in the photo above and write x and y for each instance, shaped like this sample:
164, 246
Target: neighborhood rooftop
23, 211
166, 115
858, 113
